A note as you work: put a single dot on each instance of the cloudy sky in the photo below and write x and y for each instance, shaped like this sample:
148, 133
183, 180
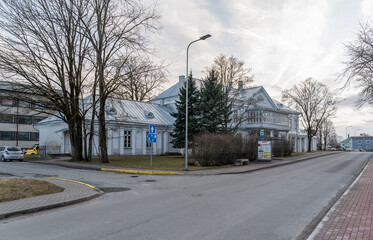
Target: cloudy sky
283, 41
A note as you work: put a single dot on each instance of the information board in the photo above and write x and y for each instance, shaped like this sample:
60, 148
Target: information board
264, 151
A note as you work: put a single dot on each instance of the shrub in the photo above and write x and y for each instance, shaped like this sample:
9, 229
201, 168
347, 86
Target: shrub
223, 149
282, 147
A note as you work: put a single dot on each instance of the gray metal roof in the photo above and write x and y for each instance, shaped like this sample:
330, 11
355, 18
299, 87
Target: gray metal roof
139, 112
131, 112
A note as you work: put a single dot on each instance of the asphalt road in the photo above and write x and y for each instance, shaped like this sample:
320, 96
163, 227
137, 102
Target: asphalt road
276, 203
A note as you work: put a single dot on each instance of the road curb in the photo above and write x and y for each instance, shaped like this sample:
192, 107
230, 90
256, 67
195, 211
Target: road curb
48, 207
277, 165
53, 205
189, 173
140, 172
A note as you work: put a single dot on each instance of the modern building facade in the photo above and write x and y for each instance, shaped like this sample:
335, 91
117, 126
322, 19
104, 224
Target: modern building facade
19, 112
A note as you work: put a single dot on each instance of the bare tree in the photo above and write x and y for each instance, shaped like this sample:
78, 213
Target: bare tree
231, 69
359, 64
143, 79
43, 53
327, 132
315, 102
117, 31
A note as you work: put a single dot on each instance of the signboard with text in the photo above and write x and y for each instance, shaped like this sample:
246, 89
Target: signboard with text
264, 150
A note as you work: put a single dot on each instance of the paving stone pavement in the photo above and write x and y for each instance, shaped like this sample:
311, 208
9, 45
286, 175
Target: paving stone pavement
352, 216
74, 192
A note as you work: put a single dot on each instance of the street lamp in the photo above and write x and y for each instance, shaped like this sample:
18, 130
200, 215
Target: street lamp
204, 37
346, 131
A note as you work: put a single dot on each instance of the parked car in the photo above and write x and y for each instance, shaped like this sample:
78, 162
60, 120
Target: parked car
33, 150
11, 153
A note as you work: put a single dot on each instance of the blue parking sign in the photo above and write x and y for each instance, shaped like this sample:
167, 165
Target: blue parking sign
152, 138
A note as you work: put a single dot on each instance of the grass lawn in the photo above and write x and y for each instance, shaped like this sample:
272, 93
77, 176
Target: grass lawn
175, 163
18, 188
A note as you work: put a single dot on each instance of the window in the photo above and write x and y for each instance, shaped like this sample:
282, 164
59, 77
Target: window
359, 142
7, 102
39, 106
25, 136
7, 135
24, 104
34, 136
367, 141
7, 119
127, 139
24, 120
235, 116
148, 144
38, 119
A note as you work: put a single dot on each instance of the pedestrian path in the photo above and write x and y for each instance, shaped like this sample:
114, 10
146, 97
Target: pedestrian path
352, 216
74, 192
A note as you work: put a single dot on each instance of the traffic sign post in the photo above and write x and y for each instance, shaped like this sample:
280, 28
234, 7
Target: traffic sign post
262, 133
152, 138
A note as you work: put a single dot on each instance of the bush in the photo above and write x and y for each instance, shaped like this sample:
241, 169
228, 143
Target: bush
282, 147
224, 149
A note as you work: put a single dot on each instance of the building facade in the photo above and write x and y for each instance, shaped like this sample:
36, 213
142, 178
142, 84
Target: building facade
253, 110
362, 143
19, 114
127, 129
128, 123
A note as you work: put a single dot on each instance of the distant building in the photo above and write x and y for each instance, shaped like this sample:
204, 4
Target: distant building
362, 143
346, 144
19, 112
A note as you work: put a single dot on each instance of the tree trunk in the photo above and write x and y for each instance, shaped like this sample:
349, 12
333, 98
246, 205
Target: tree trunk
309, 142
92, 129
102, 132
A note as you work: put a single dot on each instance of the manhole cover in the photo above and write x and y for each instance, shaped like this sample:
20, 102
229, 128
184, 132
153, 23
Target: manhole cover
134, 176
114, 189
150, 180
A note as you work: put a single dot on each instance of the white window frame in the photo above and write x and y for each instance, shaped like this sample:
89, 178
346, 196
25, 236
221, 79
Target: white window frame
127, 139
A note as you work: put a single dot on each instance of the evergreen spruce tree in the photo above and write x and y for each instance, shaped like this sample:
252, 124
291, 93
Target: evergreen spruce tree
193, 114
215, 108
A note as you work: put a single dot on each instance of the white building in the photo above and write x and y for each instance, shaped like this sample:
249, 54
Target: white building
127, 129
128, 122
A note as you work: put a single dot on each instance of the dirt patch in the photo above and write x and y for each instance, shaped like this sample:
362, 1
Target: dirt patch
18, 188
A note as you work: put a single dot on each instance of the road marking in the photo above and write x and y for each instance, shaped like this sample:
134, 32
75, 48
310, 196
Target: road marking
63, 179
140, 172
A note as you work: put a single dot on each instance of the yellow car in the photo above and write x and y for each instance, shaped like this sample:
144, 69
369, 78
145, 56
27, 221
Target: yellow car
33, 150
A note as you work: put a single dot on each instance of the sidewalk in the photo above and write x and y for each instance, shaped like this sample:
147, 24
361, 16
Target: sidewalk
352, 216
228, 170
74, 192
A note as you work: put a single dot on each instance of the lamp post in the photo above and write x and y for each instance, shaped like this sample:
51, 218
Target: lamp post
346, 131
204, 37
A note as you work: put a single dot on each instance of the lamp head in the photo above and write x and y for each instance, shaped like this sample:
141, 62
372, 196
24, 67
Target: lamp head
205, 36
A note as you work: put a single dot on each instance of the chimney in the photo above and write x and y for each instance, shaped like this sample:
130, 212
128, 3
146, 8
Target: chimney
181, 78
240, 85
